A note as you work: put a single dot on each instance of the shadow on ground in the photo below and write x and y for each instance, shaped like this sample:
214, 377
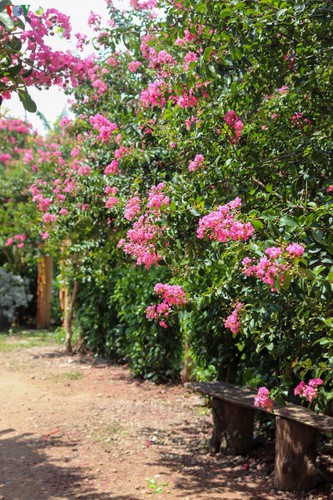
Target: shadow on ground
185, 455
24, 463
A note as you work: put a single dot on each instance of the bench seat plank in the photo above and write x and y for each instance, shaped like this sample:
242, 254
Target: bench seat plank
245, 397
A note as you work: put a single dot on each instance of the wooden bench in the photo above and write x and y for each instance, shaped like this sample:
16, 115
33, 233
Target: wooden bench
296, 432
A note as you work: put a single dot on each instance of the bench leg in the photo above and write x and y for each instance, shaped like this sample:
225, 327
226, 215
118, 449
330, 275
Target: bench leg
295, 455
233, 428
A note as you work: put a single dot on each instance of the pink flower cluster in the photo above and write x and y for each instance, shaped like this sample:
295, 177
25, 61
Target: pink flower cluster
299, 121
309, 391
18, 237
173, 295
196, 163
103, 126
275, 265
141, 240
156, 198
233, 321
222, 226
49, 218
235, 124
153, 95
112, 168
143, 5
132, 208
14, 125
186, 99
134, 65
5, 157
111, 202
262, 399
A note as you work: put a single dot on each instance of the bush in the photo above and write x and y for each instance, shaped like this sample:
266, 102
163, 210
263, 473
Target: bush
13, 294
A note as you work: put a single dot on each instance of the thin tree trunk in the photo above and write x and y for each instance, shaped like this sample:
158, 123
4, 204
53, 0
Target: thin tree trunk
69, 319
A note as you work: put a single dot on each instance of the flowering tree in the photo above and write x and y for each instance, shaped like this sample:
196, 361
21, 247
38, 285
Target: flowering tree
201, 150
26, 57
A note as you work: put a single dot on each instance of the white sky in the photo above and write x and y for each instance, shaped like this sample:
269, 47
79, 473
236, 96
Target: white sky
52, 102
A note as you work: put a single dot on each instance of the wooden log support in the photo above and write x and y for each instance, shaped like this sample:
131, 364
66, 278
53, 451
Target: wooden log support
44, 288
233, 428
295, 455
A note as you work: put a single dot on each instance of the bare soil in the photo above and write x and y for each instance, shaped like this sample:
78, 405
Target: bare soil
81, 428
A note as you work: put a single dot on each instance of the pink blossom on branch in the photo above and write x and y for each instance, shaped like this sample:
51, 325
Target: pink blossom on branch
132, 208
134, 65
222, 224
173, 296
103, 126
196, 163
141, 240
262, 399
233, 321
111, 202
273, 267
235, 124
310, 391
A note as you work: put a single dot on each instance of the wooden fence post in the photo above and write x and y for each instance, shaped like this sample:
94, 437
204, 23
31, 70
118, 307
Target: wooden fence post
44, 288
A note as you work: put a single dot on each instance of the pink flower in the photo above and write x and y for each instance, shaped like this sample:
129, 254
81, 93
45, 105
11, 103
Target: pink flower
20, 245
44, 235
112, 190
315, 382
111, 202
308, 392
262, 399
235, 124
221, 225
295, 250
196, 163
134, 65
273, 252
173, 295
103, 126
191, 56
47, 218
84, 170
329, 189
112, 168
132, 208
9, 242
232, 321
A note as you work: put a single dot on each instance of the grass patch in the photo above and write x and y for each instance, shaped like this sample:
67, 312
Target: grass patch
107, 433
12, 340
61, 377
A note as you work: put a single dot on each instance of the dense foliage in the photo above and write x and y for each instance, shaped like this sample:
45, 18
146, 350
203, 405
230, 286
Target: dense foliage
202, 153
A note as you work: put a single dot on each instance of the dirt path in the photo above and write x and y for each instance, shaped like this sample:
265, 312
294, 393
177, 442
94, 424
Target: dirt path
78, 428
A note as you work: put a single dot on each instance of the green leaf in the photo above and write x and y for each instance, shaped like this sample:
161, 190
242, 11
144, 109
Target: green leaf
6, 21
27, 102
16, 44
14, 70
257, 224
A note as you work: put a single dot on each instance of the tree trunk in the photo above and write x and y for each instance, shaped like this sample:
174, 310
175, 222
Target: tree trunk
295, 455
233, 428
44, 289
186, 372
69, 318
